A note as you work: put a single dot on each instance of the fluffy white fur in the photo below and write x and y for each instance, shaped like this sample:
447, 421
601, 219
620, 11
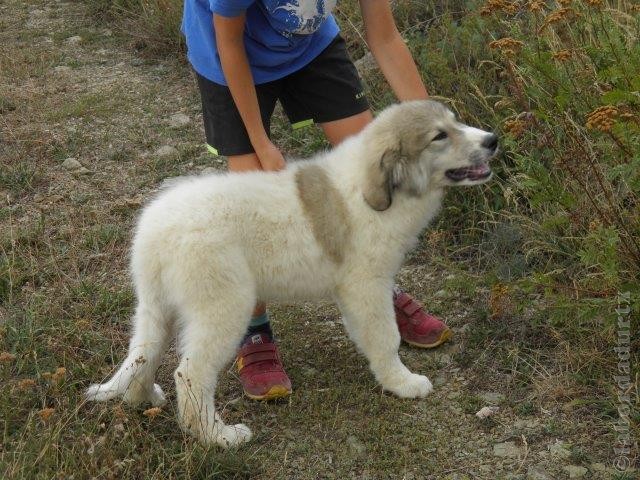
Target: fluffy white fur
209, 247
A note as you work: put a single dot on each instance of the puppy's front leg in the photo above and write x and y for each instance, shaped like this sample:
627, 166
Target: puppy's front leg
369, 318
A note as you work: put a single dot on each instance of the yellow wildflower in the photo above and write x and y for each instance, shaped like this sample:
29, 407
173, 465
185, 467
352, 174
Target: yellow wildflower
6, 357
559, 15
26, 384
508, 46
152, 412
536, 5
58, 375
562, 55
46, 413
498, 5
515, 127
499, 303
602, 118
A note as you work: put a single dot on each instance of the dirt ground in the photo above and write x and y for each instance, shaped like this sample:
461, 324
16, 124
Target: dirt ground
89, 130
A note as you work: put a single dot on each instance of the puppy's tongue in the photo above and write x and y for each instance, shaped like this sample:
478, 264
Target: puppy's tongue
479, 171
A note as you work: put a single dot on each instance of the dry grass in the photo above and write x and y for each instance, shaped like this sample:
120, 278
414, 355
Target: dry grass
525, 271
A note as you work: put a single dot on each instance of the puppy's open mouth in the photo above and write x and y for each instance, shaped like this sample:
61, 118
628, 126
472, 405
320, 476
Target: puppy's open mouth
477, 172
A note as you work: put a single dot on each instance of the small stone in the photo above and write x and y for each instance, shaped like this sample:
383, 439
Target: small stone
559, 449
310, 371
137, 62
71, 164
439, 381
179, 120
521, 425
209, 171
74, 40
464, 328
486, 412
355, 445
82, 171
453, 395
506, 449
538, 473
492, 398
443, 358
166, 151
575, 471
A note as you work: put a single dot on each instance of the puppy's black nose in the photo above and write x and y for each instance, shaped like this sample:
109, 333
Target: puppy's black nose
490, 142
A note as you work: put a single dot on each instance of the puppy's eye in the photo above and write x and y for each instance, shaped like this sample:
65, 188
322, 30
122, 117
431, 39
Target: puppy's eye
440, 136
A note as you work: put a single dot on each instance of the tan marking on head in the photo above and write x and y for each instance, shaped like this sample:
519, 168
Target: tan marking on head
325, 209
395, 142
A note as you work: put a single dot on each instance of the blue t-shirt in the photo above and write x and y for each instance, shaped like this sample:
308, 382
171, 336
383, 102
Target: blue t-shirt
280, 36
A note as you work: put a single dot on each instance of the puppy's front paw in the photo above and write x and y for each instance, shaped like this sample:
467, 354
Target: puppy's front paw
232, 435
411, 386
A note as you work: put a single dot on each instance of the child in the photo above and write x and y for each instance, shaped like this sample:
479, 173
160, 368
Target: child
247, 54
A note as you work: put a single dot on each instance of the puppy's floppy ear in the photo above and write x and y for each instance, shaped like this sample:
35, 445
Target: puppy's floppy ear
379, 182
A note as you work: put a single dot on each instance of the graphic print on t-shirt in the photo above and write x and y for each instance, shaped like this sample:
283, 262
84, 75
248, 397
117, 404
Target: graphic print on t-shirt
303, 17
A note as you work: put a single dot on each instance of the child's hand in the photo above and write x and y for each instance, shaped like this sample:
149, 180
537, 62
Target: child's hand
270, 157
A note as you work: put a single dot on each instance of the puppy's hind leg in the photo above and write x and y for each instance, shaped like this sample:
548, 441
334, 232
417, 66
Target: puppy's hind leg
369, 318
134, 379
210, 336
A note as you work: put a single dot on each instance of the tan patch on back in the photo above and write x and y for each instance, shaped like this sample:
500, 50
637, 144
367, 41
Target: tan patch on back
325, 209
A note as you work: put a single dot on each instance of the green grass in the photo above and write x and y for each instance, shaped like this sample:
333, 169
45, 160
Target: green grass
19, 178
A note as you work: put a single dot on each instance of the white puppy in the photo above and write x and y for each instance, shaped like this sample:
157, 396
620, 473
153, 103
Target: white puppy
333, 227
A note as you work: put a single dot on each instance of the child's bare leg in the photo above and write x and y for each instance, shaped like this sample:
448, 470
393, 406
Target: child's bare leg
267, 379
247, 163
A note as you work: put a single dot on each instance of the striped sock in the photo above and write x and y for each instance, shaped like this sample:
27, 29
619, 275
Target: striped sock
259, 324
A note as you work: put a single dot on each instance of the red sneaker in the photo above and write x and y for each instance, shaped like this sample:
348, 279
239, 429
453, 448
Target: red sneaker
261, 372
416, 326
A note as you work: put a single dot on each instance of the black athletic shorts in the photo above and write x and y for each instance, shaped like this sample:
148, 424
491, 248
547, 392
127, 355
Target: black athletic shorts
325, 90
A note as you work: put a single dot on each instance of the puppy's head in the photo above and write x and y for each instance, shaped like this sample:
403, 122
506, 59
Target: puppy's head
417, 145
